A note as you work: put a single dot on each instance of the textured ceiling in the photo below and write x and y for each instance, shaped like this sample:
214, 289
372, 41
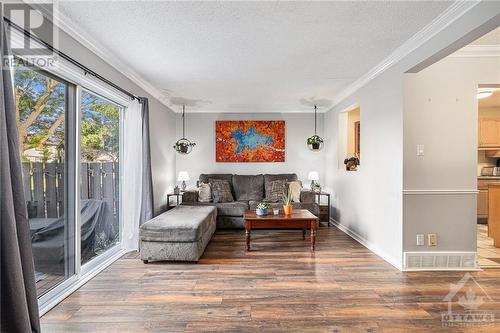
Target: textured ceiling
251, 56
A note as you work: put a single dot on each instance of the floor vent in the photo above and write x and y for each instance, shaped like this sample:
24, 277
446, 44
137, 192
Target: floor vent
440, 261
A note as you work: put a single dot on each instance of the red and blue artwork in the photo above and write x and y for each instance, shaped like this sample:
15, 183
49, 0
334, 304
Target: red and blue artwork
250, 141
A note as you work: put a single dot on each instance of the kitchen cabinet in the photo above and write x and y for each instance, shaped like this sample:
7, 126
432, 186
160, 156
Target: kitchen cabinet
494, 214
484, 203
489, 132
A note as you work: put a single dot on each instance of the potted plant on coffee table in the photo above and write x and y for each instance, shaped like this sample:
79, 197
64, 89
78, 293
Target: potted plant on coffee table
287, 202
262, 208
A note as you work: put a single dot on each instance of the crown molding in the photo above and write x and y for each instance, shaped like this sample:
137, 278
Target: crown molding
267, 112
477, 51
65, 24
451, 14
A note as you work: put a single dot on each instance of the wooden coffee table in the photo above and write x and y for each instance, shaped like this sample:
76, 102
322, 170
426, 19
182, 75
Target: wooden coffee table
299, 219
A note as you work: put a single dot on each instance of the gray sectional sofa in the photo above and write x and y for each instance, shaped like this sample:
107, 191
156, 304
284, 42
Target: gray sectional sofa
180, 234
248, 191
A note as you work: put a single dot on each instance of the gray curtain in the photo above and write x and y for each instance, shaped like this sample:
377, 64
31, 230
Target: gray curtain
147, 185
19, 307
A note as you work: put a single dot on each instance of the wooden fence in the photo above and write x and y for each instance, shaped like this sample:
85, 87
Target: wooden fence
44, 187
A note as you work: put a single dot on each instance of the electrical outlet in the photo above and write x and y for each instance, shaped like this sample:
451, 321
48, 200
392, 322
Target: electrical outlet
420, 240
432, 239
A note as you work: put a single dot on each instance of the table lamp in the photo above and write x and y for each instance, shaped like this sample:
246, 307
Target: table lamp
183, 177
313, 177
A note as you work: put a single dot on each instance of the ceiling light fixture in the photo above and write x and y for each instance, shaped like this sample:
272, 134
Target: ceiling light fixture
484, 94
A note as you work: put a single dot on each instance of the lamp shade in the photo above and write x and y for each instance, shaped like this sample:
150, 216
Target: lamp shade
183, 176
313, 175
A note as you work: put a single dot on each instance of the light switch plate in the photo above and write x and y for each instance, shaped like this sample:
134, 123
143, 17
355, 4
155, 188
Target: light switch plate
432, 239
420, 240
420, 150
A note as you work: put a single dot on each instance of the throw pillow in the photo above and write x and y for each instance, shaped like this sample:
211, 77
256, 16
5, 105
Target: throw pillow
205, 193
221, 190
275, 190
295, 188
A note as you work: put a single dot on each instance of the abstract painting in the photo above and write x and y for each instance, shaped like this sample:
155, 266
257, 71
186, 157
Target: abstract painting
250, 141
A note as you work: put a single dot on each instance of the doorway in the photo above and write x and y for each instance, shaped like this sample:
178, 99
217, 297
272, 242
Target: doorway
488, 238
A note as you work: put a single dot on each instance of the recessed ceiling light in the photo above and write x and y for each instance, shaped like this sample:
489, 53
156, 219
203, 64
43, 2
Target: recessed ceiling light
484, 93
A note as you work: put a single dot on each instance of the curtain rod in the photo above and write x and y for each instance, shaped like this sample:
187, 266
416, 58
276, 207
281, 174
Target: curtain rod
69, 59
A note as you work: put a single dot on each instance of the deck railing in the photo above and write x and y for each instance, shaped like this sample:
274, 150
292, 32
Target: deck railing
44, 186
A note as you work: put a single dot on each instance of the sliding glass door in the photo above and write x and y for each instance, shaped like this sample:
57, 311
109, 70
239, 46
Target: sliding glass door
71, 182
99, 175
43, 110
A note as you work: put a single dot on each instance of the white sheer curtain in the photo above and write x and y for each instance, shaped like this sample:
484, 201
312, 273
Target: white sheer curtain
132, 175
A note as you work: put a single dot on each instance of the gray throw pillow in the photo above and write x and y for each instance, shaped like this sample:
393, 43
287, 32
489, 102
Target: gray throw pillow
205, 193
221, 190
275, 190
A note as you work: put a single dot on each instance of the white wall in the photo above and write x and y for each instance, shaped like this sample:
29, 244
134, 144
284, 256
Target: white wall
369, 203
441, 112
200, 128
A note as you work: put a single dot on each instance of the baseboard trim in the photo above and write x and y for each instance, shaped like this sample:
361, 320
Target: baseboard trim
370, 246
440, 192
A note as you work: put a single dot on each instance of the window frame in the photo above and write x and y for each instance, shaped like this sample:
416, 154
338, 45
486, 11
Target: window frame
78, 80
88, 266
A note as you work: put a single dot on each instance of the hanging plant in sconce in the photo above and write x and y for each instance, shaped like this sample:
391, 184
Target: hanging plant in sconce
315, 142
183, 145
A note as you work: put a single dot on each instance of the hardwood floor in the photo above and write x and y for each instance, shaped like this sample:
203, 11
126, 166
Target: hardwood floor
278, 286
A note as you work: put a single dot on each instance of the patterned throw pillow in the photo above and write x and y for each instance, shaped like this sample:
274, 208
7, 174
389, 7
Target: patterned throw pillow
295, 187
221, 190
275, 190
205, 193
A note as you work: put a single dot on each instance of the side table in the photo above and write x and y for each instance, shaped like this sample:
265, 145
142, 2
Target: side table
178, 200
324, 210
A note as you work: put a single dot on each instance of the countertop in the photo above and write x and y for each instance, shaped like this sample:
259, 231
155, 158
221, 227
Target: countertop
488, 177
